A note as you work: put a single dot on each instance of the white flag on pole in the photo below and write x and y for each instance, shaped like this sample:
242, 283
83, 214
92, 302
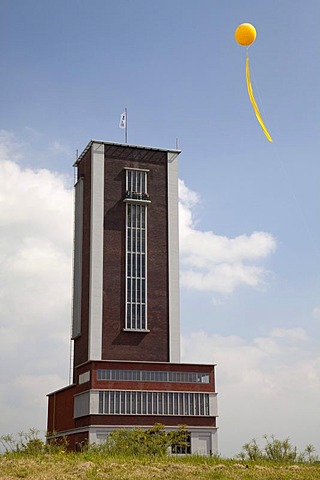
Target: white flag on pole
123, 120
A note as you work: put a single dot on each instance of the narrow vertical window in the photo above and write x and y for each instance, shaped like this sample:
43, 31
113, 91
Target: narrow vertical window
136, 200
101, 403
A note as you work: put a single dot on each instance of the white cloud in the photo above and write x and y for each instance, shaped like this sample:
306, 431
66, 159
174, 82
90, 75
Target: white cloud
289, 333
217, 263
35, 287
266, 385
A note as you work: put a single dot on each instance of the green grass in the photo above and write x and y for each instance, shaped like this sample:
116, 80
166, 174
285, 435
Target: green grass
94, 466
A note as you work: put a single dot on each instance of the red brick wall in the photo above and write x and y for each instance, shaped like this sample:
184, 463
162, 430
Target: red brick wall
60, 410
76, 440
117, 344
153, 386
143, 420
137, 365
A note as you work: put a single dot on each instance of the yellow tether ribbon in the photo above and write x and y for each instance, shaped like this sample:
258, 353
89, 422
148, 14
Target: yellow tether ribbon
254, 104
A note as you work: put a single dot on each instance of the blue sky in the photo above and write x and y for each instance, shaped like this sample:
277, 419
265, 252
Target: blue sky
68, 69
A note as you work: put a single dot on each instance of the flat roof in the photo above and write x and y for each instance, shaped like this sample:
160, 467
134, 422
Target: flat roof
150, 362
126, 145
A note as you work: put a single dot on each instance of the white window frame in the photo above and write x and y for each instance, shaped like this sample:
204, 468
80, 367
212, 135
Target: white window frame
153, 376
137, 402
136, 253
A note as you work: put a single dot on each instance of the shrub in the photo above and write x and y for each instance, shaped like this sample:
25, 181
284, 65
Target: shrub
251, 451
279, 450
276, 450
28, 442
138, 442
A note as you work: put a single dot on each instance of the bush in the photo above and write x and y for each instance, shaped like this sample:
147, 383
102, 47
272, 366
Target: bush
28, 442
276, 450
279, 450
251, 451
138, 442
31, 444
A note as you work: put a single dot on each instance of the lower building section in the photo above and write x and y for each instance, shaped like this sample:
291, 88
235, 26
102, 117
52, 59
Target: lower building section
111, 395
202, 441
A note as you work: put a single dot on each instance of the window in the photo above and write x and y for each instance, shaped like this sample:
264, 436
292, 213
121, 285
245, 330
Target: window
136, 250
153, 403
84, 377
153, 376
182, 450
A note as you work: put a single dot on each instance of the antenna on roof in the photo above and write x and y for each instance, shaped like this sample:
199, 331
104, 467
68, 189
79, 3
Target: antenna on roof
74, 168
177, 143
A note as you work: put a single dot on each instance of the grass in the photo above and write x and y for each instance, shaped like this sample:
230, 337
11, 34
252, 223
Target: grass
92, 466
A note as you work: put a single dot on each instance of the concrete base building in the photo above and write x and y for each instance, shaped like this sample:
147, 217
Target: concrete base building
126, 326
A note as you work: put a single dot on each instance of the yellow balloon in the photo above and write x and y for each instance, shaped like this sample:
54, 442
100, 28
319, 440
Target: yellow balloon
245, 34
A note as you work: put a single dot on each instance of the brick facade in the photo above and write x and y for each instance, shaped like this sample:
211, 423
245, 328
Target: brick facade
118, 344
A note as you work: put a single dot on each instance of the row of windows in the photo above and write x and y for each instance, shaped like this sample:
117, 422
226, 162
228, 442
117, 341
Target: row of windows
153, 403
152, 376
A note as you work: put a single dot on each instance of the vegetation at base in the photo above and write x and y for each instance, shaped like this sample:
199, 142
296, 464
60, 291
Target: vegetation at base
279, 451
29, 443
132, 442
92, 466
142, 454
138, 442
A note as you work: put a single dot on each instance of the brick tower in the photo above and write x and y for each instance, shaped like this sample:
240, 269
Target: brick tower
126, 326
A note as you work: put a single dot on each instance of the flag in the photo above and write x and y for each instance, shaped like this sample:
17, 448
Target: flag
123, 120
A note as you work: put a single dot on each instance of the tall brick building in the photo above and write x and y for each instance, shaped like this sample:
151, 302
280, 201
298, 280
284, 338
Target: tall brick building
126, 327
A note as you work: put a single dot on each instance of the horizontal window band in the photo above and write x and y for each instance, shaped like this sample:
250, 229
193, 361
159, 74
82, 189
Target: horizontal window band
154, 376
154, 403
